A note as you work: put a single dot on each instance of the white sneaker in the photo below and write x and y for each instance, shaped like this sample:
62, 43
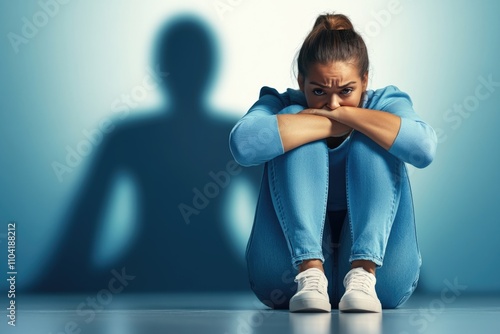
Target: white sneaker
312, 293
360, 295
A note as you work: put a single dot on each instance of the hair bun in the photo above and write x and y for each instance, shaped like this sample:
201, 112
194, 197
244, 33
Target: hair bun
333, 39
333, 22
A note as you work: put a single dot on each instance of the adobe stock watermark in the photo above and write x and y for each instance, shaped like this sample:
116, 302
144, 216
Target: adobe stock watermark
222, 7
251, 320
202, 196
449, 294
88, 309
381, 19
31, 26
455, 115
120, 109
218, 181
12, 271
247, 323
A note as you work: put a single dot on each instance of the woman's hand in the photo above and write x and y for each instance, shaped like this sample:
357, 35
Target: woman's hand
337, 129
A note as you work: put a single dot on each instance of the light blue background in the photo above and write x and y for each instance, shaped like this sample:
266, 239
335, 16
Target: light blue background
65, 79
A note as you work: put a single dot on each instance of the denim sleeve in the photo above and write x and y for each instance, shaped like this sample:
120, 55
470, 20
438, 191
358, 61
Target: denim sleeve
416, 140
255, 138
415, 144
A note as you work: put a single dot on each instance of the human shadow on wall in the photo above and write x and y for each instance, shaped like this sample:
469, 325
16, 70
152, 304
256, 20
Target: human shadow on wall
180, 163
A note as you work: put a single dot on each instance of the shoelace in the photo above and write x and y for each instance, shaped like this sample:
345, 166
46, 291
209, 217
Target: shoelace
359, 281
311, 282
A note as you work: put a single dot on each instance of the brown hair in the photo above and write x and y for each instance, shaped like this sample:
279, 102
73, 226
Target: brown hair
333, 38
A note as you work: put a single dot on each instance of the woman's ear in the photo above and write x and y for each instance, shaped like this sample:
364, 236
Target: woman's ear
300, 80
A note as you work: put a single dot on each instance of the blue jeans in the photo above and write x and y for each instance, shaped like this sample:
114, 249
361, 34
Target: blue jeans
309, 193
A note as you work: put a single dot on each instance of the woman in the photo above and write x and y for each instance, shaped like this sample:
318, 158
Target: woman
335, 201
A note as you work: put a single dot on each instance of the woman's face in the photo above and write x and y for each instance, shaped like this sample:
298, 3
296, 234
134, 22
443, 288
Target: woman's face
329, 86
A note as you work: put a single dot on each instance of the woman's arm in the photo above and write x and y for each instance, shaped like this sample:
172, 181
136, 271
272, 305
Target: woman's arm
262, 135
409, 139
380, 126
299, 129
275, 125
388, 119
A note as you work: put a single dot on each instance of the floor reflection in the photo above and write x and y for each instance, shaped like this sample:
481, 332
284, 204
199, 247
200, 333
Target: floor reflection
360, 323
336, 322
310, 323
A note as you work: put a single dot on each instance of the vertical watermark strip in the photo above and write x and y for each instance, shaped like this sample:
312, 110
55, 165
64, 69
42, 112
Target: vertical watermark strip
11, 273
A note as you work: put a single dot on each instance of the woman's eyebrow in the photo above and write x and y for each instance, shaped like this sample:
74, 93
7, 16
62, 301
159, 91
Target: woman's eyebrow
347, 84
323, 86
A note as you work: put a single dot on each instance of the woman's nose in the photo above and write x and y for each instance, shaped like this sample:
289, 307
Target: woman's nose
333, 102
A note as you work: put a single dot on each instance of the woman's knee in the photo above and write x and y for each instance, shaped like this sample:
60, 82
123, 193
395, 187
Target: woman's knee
361, 143
309, 158
316, 151
367, 156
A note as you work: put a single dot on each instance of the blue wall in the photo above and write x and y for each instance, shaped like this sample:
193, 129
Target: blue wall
83, 77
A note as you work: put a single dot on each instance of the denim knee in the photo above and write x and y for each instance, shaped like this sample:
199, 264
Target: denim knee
397, 297
274, 292
364, 150
362, 143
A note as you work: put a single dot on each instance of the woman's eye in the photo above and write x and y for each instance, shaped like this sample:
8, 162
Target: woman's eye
318, 92
346, 91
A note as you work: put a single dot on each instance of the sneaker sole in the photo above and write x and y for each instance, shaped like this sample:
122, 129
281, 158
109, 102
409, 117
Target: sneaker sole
359, 306
310, 305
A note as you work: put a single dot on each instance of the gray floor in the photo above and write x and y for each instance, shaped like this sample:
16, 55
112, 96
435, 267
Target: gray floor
241, 314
